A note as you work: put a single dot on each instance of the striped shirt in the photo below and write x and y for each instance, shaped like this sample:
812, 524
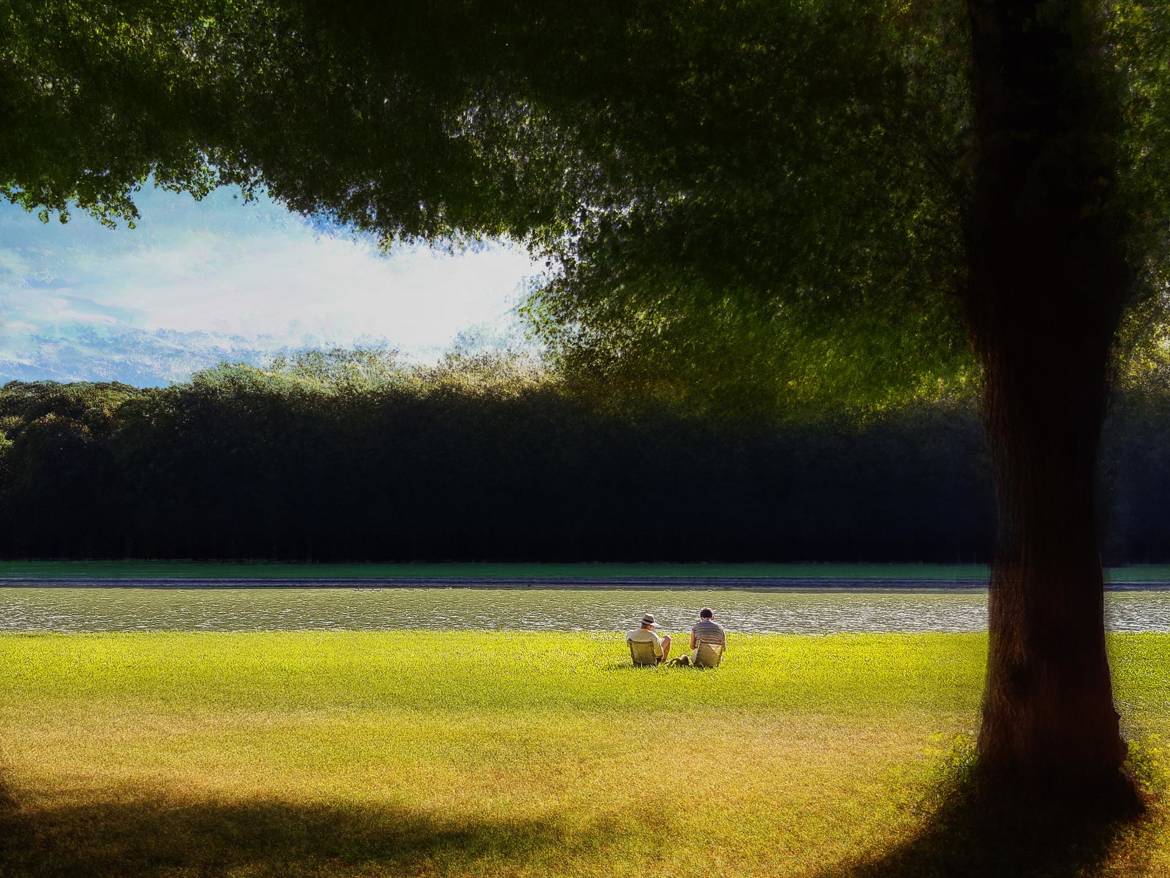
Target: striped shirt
709, 631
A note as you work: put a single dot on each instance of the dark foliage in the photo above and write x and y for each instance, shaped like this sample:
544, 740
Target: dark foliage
471, 462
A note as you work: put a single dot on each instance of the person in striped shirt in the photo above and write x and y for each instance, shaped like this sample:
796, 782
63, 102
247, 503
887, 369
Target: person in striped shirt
706, 630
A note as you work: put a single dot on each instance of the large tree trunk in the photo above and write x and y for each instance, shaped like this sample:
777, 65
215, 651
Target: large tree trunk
1048, 706
1048, 279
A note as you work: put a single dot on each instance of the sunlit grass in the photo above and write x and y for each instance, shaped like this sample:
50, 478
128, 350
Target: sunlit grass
522, 572
504, 572
471, 753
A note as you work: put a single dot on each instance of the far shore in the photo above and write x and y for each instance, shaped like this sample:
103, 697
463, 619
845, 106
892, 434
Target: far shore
263, 574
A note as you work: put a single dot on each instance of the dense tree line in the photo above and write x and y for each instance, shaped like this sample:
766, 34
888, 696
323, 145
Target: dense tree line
351, 457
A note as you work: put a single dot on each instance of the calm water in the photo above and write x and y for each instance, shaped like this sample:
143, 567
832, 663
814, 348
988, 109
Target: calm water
535, 609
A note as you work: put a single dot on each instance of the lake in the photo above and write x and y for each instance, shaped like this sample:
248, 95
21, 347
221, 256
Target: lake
65, 609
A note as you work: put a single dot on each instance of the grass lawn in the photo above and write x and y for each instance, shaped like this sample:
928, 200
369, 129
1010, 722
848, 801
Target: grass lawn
473, 753
259, 571
504, 572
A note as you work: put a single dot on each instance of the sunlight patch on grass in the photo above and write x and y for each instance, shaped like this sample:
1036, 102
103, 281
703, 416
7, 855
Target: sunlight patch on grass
492, 753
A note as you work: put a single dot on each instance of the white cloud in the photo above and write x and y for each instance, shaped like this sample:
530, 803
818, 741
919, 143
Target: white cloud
252, 276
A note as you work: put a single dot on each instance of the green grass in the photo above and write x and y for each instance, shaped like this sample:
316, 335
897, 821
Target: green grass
516, 572
500, 571
472, 753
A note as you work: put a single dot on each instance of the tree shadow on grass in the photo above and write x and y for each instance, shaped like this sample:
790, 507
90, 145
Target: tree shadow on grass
13, 830
967, 836
150, 837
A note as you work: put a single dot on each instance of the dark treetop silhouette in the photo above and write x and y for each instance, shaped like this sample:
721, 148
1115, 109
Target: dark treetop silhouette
799, 202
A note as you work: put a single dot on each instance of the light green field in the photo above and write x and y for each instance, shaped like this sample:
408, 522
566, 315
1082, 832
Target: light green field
505, 572
521, 572
472, 753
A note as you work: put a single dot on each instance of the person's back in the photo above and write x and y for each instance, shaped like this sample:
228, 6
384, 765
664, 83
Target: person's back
658, 647
707, 630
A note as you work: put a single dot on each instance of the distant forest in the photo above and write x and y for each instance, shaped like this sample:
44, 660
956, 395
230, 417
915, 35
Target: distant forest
349, 456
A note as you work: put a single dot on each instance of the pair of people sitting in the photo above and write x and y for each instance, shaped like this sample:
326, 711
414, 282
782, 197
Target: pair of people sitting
708, 643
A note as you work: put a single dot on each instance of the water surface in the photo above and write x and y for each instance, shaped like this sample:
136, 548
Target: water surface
533, 609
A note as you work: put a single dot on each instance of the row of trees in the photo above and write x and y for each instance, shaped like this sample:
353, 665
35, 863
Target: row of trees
333, 457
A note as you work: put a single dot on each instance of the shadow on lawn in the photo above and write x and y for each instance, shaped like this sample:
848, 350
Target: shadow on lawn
968, 838
13, 831
143, 838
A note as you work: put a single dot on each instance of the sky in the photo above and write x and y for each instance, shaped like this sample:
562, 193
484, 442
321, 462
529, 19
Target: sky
221, 280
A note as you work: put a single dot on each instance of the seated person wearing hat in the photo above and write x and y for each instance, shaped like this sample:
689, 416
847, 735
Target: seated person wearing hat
646, 634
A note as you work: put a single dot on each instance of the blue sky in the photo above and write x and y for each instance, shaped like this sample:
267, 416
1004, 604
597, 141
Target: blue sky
198, 283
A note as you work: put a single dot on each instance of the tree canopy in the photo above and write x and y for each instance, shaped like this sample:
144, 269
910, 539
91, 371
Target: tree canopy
771, 192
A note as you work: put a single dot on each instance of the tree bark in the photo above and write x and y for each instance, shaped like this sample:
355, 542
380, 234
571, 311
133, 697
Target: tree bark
1048, 278
1048, 706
